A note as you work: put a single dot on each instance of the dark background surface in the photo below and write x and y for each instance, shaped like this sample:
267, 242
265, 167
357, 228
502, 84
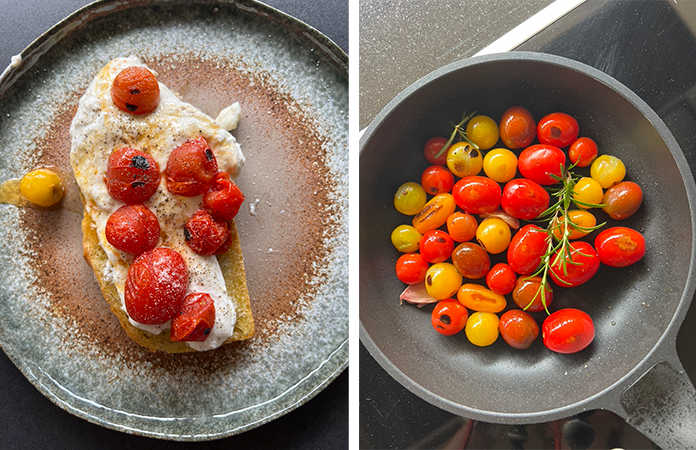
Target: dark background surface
649, 46
31, 421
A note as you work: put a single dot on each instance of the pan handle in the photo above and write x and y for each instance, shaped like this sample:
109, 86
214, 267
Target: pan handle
662, 405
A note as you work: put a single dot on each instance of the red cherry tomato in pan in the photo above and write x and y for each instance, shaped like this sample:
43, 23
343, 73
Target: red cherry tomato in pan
191, 168
432, 148
558, 129
477, 195
132, 229
582, 152
524, 199
411, 268
622, 200
195, 318
568, 331
135, 90
585, 265
437, 179
436, 246
205, 234
501, 279
526, 248
517, 128
539, 162
620, 246
449, 317
132, 176
518, 329
223, 198
155, 286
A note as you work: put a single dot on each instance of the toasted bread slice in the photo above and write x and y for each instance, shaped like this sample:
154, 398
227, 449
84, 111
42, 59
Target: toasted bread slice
231, 264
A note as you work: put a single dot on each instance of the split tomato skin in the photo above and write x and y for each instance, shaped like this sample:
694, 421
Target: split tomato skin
586, 265
526, 249
620, 246
524, 199
558, 129
477, 195
449, 317
538, 162
568, 331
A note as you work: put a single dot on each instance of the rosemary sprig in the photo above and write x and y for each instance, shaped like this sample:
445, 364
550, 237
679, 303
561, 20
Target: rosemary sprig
558, 250
459, 129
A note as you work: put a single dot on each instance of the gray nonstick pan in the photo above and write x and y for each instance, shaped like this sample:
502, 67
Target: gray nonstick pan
632, 367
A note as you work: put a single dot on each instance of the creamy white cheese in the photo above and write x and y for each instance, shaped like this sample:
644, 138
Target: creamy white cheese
98, 129
229, 117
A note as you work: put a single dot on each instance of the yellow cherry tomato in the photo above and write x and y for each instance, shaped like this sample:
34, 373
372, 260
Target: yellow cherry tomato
479, 298
435, 213
406, 238
442, 280
607, 170
587, 190
494, 235
500, 164
483, 131
42, 187
581, 218
463, 160
482, 328
409, 198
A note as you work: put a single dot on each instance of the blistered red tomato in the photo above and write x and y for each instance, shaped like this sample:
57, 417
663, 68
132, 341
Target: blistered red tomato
585, 264
191, 168
471, 260
132, 176
449, 317
411, 268
132, 229
155, 286
135, 90
436, 246
524, 199
526, 249
622, 200
205, 233
432, 149
529, 295
195, 319
558, 129
582, 152
517, 128
518, 329
541, 162
477, 195
620, 246
223, 198
501, 279
567, 331
437, 179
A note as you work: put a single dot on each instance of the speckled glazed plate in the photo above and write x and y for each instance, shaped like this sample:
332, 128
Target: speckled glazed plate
292, 85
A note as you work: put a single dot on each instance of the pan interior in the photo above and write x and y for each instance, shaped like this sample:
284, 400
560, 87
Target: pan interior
631, 307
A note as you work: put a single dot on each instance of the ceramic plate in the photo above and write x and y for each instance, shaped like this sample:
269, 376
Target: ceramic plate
292, 85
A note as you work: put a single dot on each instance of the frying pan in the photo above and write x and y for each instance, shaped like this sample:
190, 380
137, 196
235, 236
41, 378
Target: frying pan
632, 367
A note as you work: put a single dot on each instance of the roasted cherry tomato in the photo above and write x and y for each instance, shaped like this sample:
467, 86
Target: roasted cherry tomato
585, 263
500, 165
501, 279
135, 90
622, 200
607, 170
526, 249
471, 260
461, 226
223, 198
442, 280
477, 195
437, 179
528, 294
578, 219
406, 239
410, 198
478, 298
524, 199
482, 131
482, 328
205, 233
432, 148
195, 319
132, 229
587, 192
42, 187
494, 235
449, 317
411, 268
517, 128
464, 160
435, 213
155, 286
620, 246
518, 329
582, 152
558, 129
132, 176
436, 246
568, 331
191, 168
539, 162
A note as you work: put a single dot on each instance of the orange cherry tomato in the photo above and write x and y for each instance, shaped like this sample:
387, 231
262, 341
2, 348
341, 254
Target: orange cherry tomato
478, 298
461, 226
517, 128
449, 317
435, 213
132, 229
437, 179
191, 168
195, 319
135, 90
